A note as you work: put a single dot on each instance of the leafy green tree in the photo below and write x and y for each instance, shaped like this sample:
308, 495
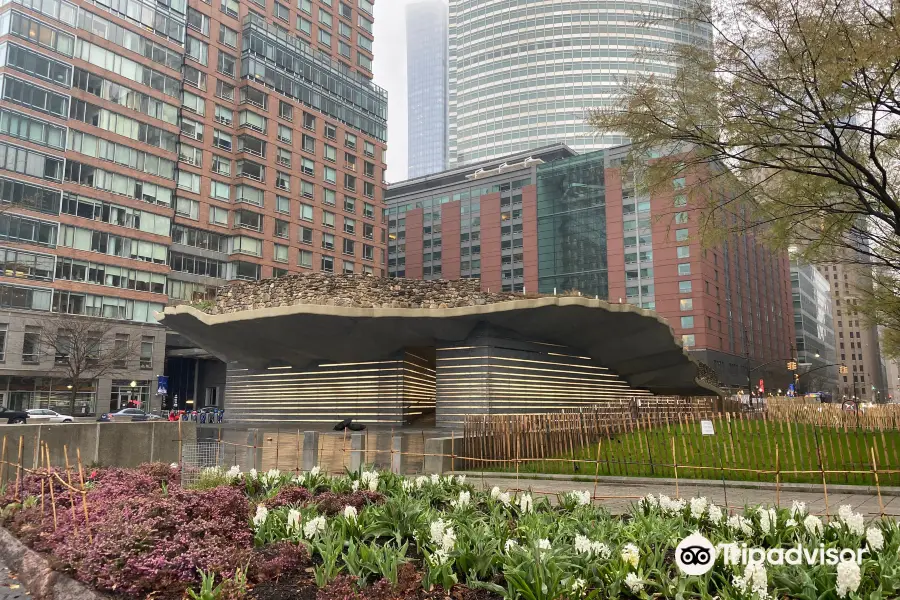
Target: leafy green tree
796, 107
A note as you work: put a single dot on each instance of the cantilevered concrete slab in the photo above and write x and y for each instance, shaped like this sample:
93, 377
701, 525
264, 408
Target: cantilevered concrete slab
636, 344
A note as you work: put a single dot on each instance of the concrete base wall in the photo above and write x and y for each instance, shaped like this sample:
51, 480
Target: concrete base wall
108, 444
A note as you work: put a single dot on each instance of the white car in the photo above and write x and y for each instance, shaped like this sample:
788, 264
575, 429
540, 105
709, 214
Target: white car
45, 415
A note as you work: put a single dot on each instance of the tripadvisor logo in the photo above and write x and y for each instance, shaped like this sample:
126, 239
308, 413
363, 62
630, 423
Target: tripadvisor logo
696, 555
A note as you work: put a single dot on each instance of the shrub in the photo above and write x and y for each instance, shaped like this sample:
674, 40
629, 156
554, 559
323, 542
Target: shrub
289, 495
159, 542
281, 559
332, 504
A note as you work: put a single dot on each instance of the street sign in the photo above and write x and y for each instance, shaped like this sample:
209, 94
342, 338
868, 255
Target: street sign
706, 427
162, 385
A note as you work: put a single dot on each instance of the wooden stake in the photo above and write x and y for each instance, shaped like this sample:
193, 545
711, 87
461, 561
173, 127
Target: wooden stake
777, 477
452, 452
71, 491
877, 484
180, 445
596, 470
87, 524
19, 466
46, 452
675, 464
4, 468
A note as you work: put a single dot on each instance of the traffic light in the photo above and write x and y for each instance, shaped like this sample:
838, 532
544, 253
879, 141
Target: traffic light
792, 365
844, 370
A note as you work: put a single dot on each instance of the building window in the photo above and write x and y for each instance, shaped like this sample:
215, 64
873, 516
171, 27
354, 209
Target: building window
285, 110
684, 287
688, 340
681, 218
3, 330
680, 200
681, 235
306, 235
305, 259
348, 266
683, 251
328, 264
281, 253
684, 268
349, 247
686, 303
147, 352
687, 322
31, 345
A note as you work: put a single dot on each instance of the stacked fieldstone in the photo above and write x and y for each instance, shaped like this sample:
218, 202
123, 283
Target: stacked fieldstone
356, 290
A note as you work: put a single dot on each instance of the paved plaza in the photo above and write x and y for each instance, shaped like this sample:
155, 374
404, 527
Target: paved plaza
617, 495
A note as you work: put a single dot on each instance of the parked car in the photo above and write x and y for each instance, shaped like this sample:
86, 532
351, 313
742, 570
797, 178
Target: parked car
127, 414
13, 416
45, 415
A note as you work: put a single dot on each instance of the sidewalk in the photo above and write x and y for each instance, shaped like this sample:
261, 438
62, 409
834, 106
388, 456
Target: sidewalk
617, 494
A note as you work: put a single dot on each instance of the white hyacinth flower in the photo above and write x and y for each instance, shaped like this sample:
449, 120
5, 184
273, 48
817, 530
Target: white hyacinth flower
581, 498
437, 531
855, 522
462, 501
495, 493
439, 558
504, 499
510, 544
715, 514
698, 507
174, 465
848, 578
262, 513
649, 501
460, 479
634, 583
354, 486
875, 538
526, 504
350, 513
408, 485
315, 471
233, 473
600, 550
543, 544
813, 525
739, 523
631, 555
293, 520
578, 585
768, 519
791, 523
582, 545
421, 480
435, 479
253, 473
798, 509
449, 540
313, 527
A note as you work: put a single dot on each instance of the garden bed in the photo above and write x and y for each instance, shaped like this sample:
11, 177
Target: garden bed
378, 536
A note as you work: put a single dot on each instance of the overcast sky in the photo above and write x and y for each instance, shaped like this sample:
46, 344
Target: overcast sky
390, 73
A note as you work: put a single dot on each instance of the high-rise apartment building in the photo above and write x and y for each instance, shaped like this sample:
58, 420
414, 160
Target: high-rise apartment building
152, 151
523, 73
426, 82
551, 220
818, 367
857, 342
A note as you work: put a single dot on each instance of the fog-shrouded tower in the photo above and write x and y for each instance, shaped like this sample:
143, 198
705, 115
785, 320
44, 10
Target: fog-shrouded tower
524, 72
426, 73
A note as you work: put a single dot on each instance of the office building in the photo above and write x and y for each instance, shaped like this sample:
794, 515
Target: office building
525, 73
153, 151
818, 367
551, 220
426, 83
858, 346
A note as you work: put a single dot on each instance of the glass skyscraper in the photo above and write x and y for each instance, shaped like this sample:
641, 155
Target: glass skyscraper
524, 72
426, 74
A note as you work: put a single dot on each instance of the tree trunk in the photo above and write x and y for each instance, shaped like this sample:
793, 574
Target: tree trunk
72, 399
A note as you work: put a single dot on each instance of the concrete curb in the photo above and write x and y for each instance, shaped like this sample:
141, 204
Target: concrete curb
35, 574
749, 485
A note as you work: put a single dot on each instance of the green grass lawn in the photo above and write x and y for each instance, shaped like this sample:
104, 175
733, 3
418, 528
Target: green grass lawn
739, 450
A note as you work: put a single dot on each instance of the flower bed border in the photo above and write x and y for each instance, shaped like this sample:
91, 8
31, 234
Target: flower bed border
37, 576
